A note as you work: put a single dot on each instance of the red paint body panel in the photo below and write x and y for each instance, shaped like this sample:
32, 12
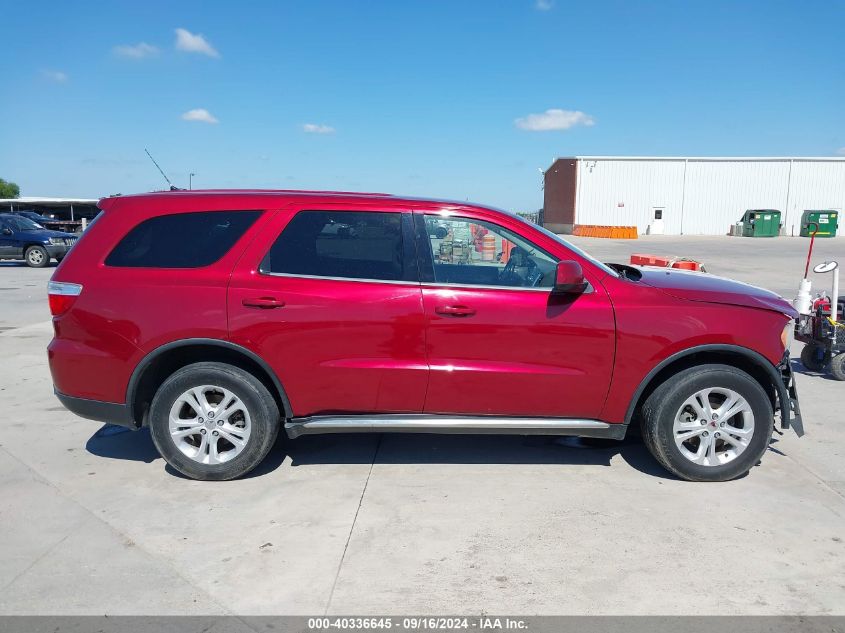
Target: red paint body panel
339, 345
123, 314
653, 325
336, 345
712, 289
522, 353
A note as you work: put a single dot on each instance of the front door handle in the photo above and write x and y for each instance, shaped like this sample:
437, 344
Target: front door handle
457, 311
266, 303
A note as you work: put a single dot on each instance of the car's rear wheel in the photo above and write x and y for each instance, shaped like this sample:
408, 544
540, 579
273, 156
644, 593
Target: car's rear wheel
708, 423
36, 257
213, 421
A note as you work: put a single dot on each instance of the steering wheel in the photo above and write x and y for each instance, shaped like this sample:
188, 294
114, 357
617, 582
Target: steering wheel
519, 257
510, 267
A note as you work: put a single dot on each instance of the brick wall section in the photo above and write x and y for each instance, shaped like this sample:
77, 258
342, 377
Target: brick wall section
559, 191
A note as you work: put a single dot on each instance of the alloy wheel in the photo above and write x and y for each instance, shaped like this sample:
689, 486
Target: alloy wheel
713, 426
209, 424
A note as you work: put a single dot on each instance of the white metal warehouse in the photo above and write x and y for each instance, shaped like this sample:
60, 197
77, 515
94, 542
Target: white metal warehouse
693, 195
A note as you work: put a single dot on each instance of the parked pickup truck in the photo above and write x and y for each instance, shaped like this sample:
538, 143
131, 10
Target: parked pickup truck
21, 238
219, 318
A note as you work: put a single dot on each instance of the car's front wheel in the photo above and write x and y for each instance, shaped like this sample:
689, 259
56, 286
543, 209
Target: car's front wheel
213, 421
36, 257
708, 423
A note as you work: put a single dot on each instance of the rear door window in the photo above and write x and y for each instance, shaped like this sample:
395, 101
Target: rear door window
181, 240
345, 244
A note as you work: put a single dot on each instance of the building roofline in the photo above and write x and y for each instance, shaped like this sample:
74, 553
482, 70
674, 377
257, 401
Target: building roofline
37, 200
711, 158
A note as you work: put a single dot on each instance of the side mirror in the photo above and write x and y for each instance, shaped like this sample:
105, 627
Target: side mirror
569, 278
7, 231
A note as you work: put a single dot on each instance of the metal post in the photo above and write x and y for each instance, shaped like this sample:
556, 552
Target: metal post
71, 212
684, 194
788, 191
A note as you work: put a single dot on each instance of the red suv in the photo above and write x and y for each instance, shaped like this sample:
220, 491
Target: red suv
216, 317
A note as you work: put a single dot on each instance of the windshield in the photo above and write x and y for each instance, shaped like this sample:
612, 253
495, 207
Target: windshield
571, 247
20, 223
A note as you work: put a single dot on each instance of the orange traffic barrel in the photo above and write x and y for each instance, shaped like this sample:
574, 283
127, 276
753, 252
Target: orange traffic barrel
488, 248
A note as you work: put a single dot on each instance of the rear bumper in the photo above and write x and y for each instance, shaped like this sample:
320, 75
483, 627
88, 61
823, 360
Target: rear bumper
109, 412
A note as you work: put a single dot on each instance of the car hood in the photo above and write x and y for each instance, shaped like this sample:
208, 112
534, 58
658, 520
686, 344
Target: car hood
40, 234
696, 286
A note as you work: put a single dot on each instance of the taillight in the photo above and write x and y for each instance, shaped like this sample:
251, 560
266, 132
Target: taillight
62, 295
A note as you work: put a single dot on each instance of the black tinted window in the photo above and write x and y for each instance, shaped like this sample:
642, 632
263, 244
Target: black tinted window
182, 240
357, 245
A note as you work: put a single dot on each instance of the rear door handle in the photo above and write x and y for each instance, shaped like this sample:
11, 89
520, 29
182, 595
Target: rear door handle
458, 311
263, 302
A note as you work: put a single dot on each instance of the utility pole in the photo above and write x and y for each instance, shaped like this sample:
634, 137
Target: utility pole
190, 180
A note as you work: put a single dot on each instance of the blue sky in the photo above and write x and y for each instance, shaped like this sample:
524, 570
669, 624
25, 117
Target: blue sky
431, 98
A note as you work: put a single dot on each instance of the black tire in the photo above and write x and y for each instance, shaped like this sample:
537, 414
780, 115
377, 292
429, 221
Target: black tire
262, 408
36, 257
837, 366
440, 232
812, 357
661, 407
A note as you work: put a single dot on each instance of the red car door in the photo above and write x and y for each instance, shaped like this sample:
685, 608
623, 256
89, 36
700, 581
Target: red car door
498, 341
330, 298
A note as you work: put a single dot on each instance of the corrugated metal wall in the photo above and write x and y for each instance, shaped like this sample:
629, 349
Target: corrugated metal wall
815, 185
701, 196
718, 193
604, 185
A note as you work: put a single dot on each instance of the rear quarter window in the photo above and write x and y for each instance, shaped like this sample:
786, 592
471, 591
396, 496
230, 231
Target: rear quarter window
364, 245
181, 240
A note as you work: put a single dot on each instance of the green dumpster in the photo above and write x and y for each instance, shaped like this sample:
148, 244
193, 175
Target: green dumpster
761, 223
825, 221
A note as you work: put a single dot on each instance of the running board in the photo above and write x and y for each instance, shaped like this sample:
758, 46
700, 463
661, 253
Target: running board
422, 423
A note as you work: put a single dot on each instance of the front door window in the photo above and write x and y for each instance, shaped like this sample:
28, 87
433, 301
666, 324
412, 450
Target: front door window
474, 252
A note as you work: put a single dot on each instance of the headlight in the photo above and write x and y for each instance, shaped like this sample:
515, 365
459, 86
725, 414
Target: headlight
56, 241
788, 334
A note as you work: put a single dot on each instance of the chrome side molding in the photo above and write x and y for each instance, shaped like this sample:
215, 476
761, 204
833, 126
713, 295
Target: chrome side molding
434, 423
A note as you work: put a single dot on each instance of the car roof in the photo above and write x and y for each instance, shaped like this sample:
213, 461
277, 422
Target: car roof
243, 196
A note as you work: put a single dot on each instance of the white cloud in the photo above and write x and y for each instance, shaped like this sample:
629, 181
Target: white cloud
55, 75
544, 5
841, 151
194, 43
554, 119
200, 114
137, 51
315, 128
